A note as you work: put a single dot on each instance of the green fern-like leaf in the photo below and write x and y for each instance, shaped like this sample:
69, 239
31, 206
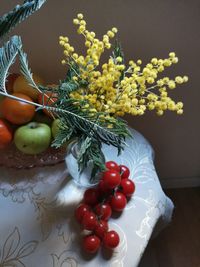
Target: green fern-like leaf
90, 151
68, 87
90, 125
118, 52
98, 159
62, 137
64, 134
8, 55
18, 14
83, 122
25, 70
84, 144
72, 71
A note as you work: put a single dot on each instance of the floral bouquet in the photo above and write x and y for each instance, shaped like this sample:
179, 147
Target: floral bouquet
89, 103
85, 110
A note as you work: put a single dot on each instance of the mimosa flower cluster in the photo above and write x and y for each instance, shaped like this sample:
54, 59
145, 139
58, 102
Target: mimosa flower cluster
114, 88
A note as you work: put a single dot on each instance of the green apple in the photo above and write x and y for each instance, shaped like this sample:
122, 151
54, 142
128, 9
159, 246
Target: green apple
55, 128
33, 138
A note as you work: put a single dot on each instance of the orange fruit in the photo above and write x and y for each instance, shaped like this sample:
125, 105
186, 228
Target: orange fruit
6, 134
1, 99
10, 81
22, 86
17, 112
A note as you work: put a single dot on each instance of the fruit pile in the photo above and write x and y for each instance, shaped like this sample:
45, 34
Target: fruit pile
110, 195
32, 131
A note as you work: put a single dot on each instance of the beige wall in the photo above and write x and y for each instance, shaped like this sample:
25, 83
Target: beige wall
147, 29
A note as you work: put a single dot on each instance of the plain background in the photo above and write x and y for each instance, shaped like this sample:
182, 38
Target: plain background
146, 29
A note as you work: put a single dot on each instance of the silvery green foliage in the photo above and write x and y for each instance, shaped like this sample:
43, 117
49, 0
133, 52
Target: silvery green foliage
8, 55
13, 47
25, 70
18, 14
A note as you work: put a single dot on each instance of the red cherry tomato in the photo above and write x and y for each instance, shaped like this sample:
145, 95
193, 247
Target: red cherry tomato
111, 239
111, 179
103, 211
17, 112
91, 243
91, 196
118, 202
103, 189
111, 165
80, 211
89, 221
101, 228
127, 187
125, 172
6, 134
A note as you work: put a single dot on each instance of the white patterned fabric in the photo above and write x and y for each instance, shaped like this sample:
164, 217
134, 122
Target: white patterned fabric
37, 231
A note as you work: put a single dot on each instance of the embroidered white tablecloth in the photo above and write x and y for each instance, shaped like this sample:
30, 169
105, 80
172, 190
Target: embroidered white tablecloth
35, 231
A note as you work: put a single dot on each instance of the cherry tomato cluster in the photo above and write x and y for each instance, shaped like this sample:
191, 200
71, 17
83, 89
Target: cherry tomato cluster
99, 203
